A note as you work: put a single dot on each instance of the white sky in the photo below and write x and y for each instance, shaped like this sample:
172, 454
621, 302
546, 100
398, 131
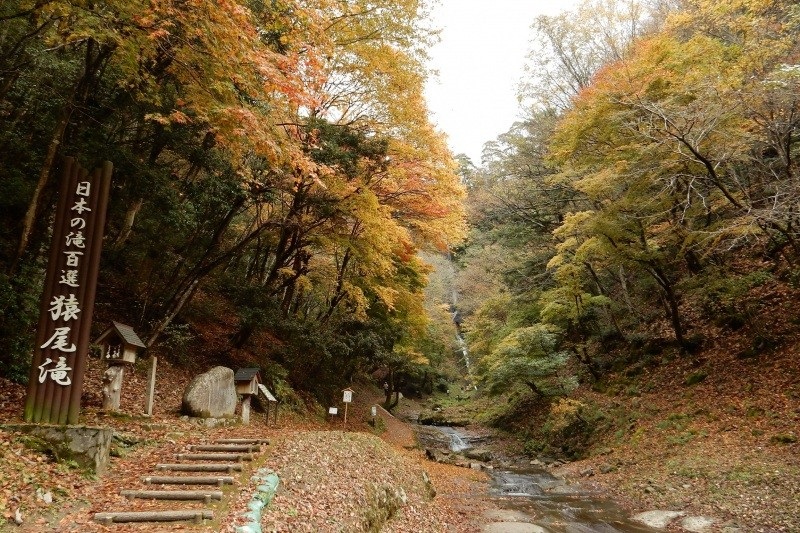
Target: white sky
480, 59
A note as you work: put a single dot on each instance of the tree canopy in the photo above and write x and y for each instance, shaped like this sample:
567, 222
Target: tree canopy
656, 160
276, 174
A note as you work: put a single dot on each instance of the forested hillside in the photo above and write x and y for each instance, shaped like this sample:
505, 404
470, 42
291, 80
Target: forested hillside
648, 202
280, 198
629, 285
275, 175
622, 267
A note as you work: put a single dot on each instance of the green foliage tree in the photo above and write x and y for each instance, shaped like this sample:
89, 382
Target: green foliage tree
658, 152
527, 356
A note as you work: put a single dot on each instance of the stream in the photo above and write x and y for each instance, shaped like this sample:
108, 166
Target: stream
531, 500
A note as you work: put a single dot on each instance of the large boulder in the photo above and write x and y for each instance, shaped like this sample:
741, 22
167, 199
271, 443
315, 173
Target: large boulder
478, 454
211, 395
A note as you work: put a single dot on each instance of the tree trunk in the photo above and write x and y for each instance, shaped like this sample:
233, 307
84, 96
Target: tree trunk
112, 387
606, 307
626, 295
339, 294
44, 175
389, 405
671, 302
534, 388
127, 225
191, 281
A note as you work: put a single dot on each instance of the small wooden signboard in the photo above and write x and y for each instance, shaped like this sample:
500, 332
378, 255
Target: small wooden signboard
271, 400
332, 412
347, 399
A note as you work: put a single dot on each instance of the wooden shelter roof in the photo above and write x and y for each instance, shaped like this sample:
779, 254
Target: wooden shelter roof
125, 332
246, 374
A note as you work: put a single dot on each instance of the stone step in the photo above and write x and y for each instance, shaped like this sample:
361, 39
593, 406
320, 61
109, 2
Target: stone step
188, 480
241, 441
214, 456
201, 467
224, 448
205, 495
196, 516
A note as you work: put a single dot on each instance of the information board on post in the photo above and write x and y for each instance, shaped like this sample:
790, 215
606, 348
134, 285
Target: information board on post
347, 399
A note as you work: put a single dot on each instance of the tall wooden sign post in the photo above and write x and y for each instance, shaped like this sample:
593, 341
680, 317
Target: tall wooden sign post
347, 399
62, 337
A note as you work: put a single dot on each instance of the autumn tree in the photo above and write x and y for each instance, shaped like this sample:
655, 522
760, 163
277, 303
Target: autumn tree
272, 159
568, 49
670, 156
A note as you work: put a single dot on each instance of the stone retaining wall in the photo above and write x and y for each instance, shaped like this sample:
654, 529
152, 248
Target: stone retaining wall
88, 446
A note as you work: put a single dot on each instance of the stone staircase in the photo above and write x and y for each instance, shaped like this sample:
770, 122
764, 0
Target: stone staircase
200, 476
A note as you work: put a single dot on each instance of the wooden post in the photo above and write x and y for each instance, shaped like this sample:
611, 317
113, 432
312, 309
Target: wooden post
112, 387
151, 385
246, 409
62, 337
348, 397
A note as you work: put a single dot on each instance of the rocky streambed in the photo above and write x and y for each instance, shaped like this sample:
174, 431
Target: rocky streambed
528, 498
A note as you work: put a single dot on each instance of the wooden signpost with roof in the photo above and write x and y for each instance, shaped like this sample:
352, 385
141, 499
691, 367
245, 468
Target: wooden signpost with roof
119, 343
247, 381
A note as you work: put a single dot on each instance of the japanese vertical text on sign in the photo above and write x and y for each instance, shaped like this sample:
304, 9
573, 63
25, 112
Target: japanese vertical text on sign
62, 340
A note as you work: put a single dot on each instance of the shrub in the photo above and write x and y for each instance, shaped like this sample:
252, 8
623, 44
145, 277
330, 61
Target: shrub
695, 378
724, 298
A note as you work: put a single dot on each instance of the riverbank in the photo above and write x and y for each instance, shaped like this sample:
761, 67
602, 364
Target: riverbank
743, 483
670, 454
743, 486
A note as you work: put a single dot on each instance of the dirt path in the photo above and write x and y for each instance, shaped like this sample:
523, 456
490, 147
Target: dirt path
333, 478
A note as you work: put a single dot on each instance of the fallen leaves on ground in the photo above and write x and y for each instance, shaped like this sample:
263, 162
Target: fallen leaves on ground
329, 472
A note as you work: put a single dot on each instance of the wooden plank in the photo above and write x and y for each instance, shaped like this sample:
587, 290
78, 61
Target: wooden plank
201, 467
205, 495
151, 384
266, 393
242, 441
196, 516
188, 480
231, 448
214, 456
